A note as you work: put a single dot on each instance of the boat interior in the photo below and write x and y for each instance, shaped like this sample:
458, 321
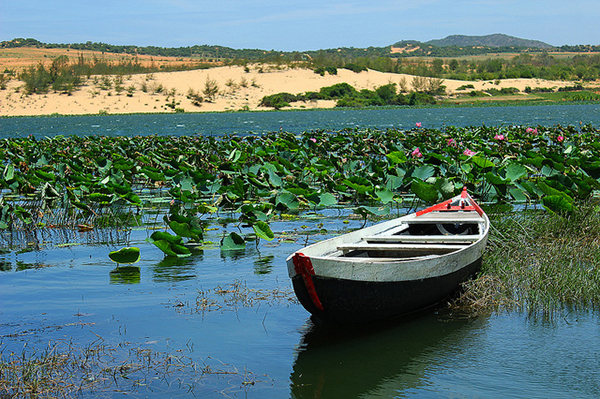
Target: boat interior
434, 234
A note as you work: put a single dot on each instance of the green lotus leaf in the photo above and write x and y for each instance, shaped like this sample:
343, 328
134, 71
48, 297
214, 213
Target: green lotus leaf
396, 157
372, 210
482, 162
233, 241
45, 176
133, 198
558, 204
274, 179
515, 171
125, 255
425, 191
9, 172
289, 200
185, 230
327, 200
263, 230
164, 246
99, 197
163, 235
518, 194
445, 187
385, 195
178, 218
423, 172
495, 179
153, 175
181, 251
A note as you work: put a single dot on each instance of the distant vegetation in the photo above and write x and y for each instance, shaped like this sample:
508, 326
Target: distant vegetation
495, 40
347, 96
413, 58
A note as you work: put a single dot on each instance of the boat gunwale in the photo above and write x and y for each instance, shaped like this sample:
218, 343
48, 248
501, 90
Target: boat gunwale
397, 221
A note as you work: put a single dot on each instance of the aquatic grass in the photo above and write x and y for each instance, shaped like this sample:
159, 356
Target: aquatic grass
228, 297
66, 370
539, 263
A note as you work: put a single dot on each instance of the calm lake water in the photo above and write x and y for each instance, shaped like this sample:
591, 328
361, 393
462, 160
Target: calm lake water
233, 315
262, 122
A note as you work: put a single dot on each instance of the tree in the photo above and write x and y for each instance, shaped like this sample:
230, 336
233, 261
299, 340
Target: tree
387, 92
453, 64
435, 86
419, 83
211, 88
438, 66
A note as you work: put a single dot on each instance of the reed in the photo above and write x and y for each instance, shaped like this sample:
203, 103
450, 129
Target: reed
540, 263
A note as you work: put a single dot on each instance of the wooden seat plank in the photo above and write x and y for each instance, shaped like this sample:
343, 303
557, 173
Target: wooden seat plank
363, 246
408, 238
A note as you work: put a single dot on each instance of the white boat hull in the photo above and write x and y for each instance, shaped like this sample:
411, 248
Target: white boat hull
393, 268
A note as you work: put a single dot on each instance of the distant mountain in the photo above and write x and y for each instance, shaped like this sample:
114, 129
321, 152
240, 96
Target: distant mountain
496, 40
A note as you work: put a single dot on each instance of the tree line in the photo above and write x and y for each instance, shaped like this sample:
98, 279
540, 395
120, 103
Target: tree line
63, 75
260, 55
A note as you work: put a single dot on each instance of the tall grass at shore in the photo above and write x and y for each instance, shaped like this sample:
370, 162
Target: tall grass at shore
539, 263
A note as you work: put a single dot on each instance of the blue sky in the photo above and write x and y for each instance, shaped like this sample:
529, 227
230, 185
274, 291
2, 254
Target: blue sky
295, 25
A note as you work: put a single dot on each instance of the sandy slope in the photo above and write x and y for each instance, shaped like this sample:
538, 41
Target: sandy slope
238, 90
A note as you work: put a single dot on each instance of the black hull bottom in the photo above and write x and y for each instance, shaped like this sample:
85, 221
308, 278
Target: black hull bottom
350, 301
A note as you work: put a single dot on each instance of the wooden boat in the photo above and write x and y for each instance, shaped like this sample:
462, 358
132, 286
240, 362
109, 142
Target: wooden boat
393, 268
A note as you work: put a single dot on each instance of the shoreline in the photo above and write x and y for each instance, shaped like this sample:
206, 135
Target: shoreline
240, 90
480, 104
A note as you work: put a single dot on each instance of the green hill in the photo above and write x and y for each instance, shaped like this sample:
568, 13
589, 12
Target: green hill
495, 40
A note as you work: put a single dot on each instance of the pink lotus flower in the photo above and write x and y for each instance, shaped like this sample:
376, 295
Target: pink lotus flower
469, 153
416, 153
499, 137
314, 140
560, 139
452, 142
531, 130
418, 124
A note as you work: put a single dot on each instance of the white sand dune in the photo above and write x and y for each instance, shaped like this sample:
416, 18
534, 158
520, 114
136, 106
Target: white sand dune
238, 89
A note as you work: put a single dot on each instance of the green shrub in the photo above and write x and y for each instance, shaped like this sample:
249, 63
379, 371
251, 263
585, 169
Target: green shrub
278, 100
417, 98
338, 90
355, 68
465, 87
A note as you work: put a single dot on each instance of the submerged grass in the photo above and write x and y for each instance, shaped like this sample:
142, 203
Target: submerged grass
230, 296
540, 263
67, 370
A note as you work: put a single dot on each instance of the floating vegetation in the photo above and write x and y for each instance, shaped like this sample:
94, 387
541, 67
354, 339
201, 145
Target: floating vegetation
172, 185
120, 182
229, 297
125, 255
68, 370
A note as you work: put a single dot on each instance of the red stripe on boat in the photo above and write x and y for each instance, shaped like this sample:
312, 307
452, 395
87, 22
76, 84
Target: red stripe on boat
447, 205
304, 267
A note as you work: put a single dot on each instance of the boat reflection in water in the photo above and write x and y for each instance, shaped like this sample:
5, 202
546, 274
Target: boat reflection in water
383, 360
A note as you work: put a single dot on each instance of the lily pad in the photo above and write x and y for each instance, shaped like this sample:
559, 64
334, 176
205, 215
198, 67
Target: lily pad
233, 241
125, 255
263, 230
426, 192
171, 245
